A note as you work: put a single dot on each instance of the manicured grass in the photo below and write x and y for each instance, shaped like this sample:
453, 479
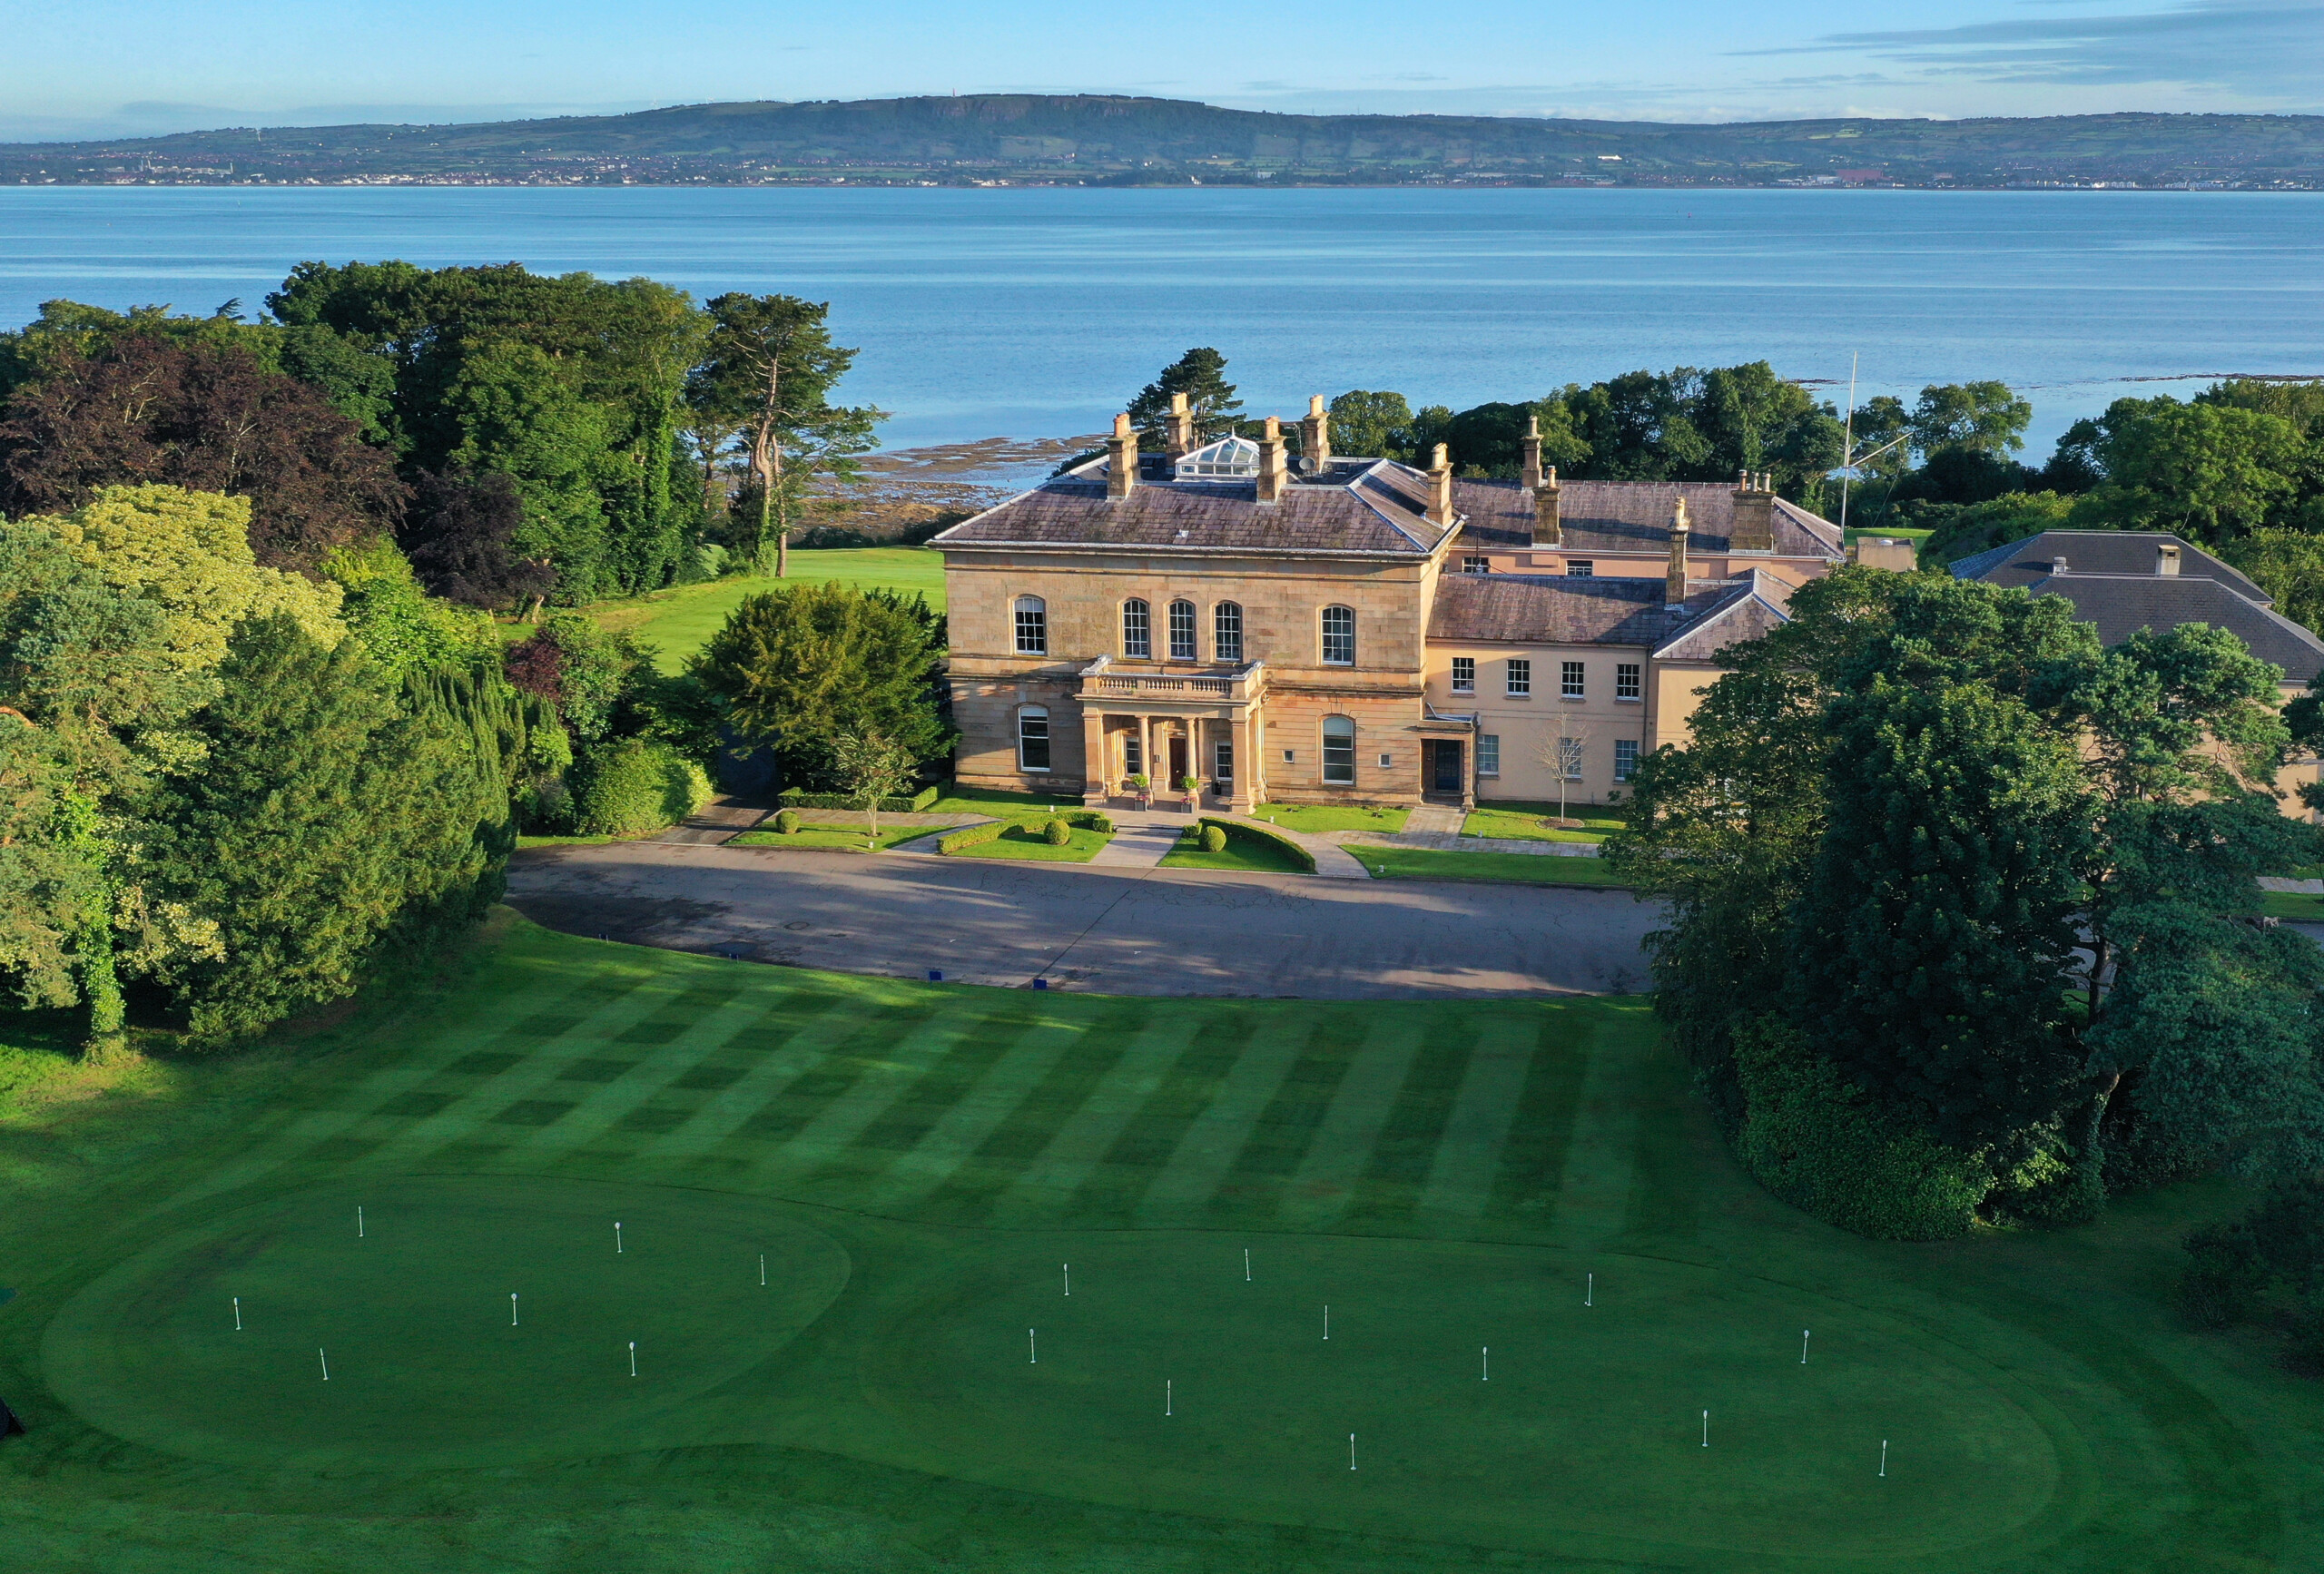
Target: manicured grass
958, 799
1249, 854
524, 841
1023, 842
917, 1163
1516, 867
1522, 821
1311, 817
2294, 906
815, 838
679, 621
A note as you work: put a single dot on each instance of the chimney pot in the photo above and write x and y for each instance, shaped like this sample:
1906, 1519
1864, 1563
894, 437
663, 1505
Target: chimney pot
1530, 464
1674, 579
1179, 437
1316, 436
1121, 459
2057, 566
1440, 488
1755, 517
1548, 519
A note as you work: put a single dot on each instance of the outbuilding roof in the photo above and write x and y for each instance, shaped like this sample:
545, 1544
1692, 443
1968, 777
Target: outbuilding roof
2121, 551
1544, 609
1634, 518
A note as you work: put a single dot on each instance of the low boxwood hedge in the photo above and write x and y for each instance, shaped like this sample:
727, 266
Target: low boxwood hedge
976, 835
799, 798
1259, 833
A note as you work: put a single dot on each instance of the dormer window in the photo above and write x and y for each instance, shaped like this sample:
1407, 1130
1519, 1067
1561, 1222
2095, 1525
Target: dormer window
1227, 459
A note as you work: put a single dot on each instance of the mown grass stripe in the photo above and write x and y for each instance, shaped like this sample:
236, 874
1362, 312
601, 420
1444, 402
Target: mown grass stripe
846, 1064
1286, 1129
1389, 1189
955, 1136
1320, 1188
1593, 1188
1533, 1159
600, 1110
1048, 1184
1468, 1154
1664, 1166
1214, 1139
790, 1055
1111, 1191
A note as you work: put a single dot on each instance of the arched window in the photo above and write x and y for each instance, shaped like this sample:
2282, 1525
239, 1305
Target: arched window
1339, 636
1181, 631
1033, 738
1339, 751
1226, 632
1032, 625
1138, 629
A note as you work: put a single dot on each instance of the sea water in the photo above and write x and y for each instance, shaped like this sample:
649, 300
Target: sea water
1029, 312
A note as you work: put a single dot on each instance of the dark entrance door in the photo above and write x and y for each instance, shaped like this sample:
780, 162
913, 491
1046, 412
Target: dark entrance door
1447, 777
1180, 771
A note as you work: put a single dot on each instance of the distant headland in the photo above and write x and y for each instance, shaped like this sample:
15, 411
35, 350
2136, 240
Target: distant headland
1094, 140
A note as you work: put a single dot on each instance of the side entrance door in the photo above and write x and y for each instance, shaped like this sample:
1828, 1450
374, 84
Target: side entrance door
1447, 775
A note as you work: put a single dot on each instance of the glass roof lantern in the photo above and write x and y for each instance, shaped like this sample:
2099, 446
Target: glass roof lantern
1227, 459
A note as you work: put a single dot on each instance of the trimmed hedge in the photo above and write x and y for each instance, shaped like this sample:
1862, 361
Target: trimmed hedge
799, 798
991, 830
1815, 1139
1258, 832
1214, 840
632, 786
786, 820
1056, 832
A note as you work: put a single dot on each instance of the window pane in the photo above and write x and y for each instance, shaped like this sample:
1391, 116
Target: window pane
1137, 630
1570, 758
1583, 569
1626, 685
1569, 680
1223, 760
1521, 676
1488, 753
1464, 674
1339, 751
1181, 631
1032, 627
1226, 632
1033, 740
1625, 758
1476, 566
1339, 636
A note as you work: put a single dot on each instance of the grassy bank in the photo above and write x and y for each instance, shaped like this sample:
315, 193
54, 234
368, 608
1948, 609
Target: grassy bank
678, 621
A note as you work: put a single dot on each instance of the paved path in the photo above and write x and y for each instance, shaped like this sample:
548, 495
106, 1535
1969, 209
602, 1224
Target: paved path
1160, 931
1453, 841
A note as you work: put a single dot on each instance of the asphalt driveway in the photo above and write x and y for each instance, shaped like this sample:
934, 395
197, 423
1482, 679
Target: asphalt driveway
1153, 932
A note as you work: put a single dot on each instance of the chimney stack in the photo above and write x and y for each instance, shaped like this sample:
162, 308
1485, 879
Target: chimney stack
2057, 566
1273, 476
1530, 464
1316, 436
1755, 513
1546, 522
1674, 583
2166, 558
1180, 439
1121, 459
1440, 488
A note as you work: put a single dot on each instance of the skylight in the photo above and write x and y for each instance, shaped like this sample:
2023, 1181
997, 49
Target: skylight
1227, 459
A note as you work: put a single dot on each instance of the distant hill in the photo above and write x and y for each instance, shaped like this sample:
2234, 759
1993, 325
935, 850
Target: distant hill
1098, 139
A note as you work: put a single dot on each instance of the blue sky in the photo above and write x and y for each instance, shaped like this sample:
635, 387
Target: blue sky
111, 68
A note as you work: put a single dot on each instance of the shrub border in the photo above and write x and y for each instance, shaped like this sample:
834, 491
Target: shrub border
991, 830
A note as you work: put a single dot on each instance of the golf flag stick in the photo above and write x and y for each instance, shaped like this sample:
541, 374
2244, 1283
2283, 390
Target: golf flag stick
512, 1308
238, 1313
1589, 1288
326, 1361
1246, 1264
633, 1358
1032, 1349
1486, 1354
617, 1237
1069, 1278
1706, 1428
358, 1221
1169, 1400
1802, 1347
761, 1270
1350, 1450
1884, 1458
1327, 1321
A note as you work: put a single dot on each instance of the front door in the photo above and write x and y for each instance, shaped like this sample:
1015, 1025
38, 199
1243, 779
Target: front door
1178, 768
1447, 775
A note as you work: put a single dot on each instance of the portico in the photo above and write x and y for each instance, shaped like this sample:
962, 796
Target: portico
1167, 724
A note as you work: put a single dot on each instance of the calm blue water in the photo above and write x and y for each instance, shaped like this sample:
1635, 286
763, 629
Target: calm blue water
1035, 313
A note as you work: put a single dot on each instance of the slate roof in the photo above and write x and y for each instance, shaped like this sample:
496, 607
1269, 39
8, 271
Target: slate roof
2119, 552
1375, 507
1632, 517
1544, 609
2111, 579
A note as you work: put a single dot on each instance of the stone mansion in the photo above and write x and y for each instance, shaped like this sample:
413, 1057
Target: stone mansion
1330, 629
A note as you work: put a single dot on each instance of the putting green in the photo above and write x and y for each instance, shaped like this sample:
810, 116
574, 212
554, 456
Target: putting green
1587, 1432
414, 1319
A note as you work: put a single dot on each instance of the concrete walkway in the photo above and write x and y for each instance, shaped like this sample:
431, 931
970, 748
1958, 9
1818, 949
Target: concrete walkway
1439, 841
1140, 840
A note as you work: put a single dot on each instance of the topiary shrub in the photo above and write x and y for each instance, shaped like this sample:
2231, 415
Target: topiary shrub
1214, 840
1057, 833
1816, 1140
786, 821
630, 786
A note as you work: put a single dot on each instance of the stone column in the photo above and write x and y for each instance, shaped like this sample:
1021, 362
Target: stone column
1097, 770
1244, 798
1146, 752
